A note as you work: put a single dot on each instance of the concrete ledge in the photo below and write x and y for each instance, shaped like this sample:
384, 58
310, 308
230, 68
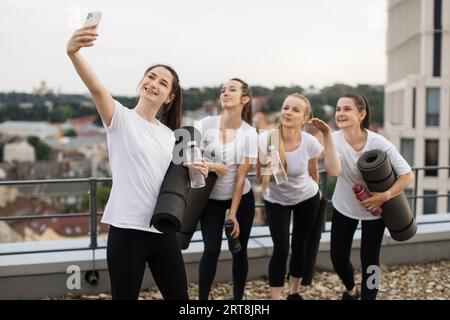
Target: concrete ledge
38, 275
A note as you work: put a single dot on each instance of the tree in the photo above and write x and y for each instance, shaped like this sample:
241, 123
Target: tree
70, 133
102, 197
62, 113
41, 148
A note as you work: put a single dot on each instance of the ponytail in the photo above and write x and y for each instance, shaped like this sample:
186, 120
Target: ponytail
247, 112
366, 121
363, 105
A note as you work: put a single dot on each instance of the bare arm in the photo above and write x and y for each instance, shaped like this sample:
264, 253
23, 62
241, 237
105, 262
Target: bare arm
85, 37
237, 193
378, 198
219, 168
332, 160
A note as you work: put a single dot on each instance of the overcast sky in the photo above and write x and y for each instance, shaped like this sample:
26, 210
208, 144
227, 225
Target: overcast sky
268, 43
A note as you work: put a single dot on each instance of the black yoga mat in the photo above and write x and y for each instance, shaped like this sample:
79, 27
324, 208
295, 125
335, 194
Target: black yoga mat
379, 176
196, 203
172, 199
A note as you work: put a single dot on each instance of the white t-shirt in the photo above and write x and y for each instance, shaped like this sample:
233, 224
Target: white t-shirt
245, 144
140, 153
344, 199
300, 185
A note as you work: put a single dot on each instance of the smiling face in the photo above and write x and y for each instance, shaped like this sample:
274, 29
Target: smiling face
294, 112
156, 87
347, 114
231, 95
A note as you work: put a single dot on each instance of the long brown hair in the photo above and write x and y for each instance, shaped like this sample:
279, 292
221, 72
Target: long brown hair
362, 104
247, 113
170, 114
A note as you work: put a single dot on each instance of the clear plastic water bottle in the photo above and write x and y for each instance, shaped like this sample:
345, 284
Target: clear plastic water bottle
193, 153
277, 166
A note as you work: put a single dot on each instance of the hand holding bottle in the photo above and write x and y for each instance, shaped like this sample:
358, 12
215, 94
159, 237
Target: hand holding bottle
362, 194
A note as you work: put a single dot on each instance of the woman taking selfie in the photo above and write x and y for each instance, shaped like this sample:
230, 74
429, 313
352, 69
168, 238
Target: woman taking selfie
140, 143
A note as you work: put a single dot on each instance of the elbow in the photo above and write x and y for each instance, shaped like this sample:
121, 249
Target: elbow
334, 172
411, 177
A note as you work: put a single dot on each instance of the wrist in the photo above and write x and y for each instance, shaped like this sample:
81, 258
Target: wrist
211, 167
388, 195
72, 55
232, 215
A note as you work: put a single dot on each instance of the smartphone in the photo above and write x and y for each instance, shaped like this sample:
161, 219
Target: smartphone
93, 18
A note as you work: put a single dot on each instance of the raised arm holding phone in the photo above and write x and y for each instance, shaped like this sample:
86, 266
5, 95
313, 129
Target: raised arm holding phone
140, 145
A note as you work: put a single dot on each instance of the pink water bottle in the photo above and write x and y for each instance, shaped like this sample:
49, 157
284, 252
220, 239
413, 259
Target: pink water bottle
361, 194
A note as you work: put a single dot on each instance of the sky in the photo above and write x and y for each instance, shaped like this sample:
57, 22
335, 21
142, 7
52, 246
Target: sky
267, 43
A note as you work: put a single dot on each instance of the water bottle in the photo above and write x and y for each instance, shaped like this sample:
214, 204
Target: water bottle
277, 166
233, 244
193, 153
361, 194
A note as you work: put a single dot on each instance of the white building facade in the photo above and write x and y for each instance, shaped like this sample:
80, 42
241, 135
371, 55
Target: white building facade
417, 101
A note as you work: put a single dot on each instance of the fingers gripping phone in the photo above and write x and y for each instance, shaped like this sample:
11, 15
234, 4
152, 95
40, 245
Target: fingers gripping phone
93, 18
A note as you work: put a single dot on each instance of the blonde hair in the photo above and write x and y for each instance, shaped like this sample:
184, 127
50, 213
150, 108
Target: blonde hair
276, 138
306, 107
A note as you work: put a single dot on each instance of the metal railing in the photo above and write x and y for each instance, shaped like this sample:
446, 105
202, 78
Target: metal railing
93, 214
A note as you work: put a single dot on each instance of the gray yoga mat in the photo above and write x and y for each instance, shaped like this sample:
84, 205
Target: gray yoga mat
379, 176
172, 199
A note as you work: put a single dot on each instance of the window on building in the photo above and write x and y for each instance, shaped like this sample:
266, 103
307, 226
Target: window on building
433, 106
414, 99
407, 150
448, 202
431, 156
430, 202
437, 43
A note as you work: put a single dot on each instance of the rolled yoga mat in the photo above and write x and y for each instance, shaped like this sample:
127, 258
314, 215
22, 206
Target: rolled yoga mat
172, 199
313, 243
379, 176
196, 204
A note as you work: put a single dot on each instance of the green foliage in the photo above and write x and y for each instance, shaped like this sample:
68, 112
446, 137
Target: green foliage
70, 133
62, 113
194, 97
69, 106
328, 193
41, 148
103, 193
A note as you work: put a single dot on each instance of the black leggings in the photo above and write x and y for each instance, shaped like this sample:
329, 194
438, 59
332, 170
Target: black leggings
342, 232
129, 250
279, 218
212, 226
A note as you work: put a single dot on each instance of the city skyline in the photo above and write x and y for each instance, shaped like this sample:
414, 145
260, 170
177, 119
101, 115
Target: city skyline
268, 44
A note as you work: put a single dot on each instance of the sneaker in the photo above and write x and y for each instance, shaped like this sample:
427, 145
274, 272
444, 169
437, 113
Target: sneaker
347, 296
294, 296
